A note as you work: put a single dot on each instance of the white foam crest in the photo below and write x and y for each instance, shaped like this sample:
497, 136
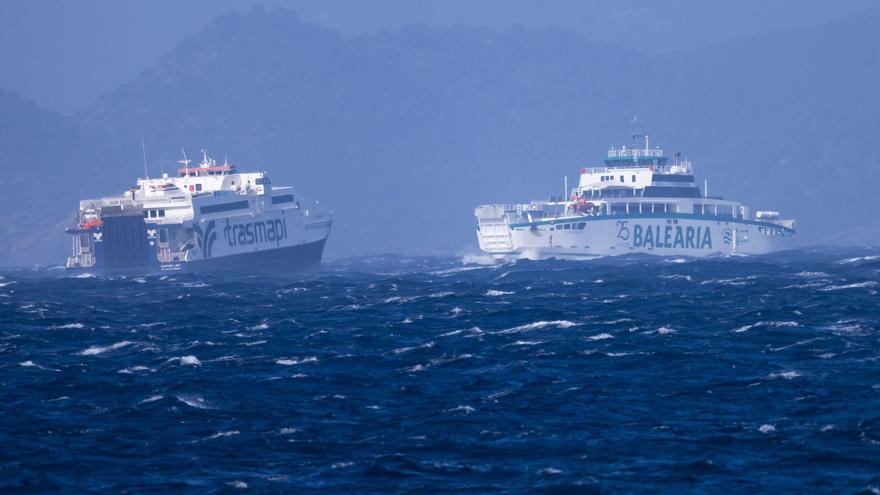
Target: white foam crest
787, 375
287, 431
194, 401
730, 281
133, 369
78, 326
676, 277
453, 271
241, 485
294, 362
766, 428
85, 275
601, 336
415, 369
617, 321
665, 330
441, 294
495, 293
674, 260
195, 285
4, 284
95, 350
261, 326
341, 465
848, 327
190, 361
401, 350
464, 409
858, 259
538, 325
856, 285
152, 398
400, 299
549, 470
524, 342
807, 274
776, 324
29, 364
222, 434
479, 259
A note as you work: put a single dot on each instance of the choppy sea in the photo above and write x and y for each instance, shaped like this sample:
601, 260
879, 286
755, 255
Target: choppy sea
392, 374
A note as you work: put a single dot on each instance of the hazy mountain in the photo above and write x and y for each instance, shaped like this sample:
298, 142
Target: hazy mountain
403, 132
39, 180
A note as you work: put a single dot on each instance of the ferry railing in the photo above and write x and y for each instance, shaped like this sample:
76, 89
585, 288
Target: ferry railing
680, 168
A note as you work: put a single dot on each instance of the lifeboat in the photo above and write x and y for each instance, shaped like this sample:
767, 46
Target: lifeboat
92, 224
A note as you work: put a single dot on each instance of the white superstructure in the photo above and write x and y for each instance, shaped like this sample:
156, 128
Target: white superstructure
209, 216
640, 201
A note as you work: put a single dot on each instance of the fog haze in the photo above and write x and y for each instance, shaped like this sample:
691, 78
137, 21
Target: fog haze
404, 116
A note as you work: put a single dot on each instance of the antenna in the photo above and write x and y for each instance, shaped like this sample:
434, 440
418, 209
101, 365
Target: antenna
185, 162
635, 132
144, 150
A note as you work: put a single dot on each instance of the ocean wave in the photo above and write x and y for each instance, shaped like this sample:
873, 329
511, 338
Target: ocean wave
854, 285
294, 362
95, 350
494, 293
773, 324
538, 325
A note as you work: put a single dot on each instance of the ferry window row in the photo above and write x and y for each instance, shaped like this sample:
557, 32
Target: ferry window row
715, 210
644, 207
572, 226
608, 178
154, 213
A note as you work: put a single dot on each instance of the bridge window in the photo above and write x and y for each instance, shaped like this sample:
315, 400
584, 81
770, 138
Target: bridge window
284, 198
198, 187
621, 179
235, 205
634, 178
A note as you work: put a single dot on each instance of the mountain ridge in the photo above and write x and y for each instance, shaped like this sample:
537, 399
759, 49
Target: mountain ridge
404, 132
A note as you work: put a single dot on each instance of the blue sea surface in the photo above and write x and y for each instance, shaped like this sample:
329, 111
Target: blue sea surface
418, 374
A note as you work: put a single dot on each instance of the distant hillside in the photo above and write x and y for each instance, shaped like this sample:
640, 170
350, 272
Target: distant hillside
402, 133
38, 180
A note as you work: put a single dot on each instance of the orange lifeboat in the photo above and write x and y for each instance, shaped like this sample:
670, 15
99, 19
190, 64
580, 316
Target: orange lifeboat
91, 224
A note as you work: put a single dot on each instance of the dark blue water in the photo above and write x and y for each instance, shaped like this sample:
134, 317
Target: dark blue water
396, 374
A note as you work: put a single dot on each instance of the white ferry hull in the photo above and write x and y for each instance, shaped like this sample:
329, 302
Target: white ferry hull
668, 234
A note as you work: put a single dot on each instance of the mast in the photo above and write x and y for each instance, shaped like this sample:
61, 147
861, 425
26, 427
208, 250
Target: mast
185, 163
144, 150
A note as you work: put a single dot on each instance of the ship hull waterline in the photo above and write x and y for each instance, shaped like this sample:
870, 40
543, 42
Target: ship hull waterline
279, 261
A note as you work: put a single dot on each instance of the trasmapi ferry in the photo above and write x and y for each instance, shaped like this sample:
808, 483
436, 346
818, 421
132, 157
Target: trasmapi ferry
208, 218
640, 201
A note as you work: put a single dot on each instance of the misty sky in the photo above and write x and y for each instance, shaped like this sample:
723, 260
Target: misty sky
64, 54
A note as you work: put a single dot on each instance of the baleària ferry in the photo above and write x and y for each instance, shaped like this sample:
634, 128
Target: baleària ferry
640, 201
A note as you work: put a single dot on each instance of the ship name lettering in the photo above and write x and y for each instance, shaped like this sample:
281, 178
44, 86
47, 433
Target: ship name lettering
671, 237
243, 234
